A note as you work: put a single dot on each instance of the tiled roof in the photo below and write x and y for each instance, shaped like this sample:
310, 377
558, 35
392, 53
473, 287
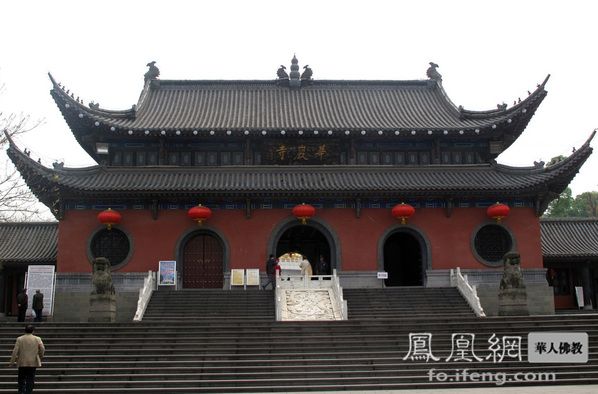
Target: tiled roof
308, 181
256, 106
28, 243
564, 238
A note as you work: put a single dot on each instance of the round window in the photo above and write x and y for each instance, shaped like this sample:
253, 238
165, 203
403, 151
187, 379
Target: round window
114, 244
491, 242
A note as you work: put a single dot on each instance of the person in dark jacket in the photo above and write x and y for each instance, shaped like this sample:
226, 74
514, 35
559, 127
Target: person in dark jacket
271, 271
37, 305
22, 301
323, 268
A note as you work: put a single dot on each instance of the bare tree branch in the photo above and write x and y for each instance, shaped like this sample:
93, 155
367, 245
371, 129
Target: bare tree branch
17, 203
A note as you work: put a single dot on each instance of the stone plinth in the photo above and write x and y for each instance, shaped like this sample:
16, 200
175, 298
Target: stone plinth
102, 308
512, 302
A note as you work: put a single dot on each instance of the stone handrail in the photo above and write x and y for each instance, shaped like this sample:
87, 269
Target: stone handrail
468, 291
145, 293
338, 291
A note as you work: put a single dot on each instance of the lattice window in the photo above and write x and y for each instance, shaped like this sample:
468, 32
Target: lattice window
492, 242
112, 244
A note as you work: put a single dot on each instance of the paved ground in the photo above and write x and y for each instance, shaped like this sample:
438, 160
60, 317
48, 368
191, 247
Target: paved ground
554, 389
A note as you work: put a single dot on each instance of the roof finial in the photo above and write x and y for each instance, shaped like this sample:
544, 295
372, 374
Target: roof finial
294, 76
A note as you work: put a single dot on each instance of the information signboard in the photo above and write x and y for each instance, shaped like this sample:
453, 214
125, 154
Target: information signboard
167, 273
253, 277
237, 277
41, 277
382, 275
579, 296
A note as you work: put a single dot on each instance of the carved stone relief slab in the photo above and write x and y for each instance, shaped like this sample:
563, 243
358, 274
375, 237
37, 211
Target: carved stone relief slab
308, 304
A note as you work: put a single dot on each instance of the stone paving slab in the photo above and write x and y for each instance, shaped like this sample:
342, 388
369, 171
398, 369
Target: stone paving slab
553, 389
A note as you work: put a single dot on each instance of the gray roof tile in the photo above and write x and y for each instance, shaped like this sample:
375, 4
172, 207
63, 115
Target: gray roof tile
281, 181
566, 238
324, 105
28, 243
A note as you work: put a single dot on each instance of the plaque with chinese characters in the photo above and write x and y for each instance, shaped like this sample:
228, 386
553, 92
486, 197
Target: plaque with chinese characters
298, 152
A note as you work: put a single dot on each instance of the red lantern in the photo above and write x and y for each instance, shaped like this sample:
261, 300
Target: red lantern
498, 211
303, 212
200, 214
109, 218
403, 211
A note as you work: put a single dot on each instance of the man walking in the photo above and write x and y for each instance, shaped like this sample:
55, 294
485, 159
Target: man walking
37, 305
28, 351
271, 272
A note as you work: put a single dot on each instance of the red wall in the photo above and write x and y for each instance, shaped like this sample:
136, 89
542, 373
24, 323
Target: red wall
155, 240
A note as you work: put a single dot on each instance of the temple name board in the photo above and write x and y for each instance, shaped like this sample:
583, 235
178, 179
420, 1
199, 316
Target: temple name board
301, 152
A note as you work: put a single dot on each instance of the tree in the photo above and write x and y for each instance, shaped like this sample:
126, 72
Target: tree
587, 204
555, 160
560, 207
17, 203
583, 205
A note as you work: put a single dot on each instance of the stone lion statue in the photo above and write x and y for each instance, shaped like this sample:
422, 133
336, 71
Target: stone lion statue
101, 281
513, 275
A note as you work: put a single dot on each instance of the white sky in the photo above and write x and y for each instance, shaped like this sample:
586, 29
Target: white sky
489, 52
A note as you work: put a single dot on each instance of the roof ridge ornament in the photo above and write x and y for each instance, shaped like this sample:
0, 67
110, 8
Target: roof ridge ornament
281, 73
307, 74
152, 73
294, 79
432, 73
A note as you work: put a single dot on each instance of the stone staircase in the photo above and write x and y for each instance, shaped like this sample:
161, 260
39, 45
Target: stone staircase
210, 304
406, 301
210, 341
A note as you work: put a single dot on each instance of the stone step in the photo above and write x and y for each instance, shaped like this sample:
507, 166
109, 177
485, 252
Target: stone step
253, 375
235, 385
253, 328
221, 352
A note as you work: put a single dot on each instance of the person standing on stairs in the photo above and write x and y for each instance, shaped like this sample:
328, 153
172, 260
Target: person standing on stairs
271, 272
28, 351
38, 305
22, 303
305, 267
323, 266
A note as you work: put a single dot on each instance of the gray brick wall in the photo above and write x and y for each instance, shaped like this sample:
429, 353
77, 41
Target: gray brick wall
74, 306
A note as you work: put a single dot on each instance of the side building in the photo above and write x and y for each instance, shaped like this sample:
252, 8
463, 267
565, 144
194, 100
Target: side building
570, 251
251, 151
22, 245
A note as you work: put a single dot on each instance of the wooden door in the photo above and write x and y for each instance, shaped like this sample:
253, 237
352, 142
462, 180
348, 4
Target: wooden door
203, 263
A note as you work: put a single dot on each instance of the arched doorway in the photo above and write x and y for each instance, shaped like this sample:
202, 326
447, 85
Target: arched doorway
312, 239
203, 262
305, 240
403, 259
